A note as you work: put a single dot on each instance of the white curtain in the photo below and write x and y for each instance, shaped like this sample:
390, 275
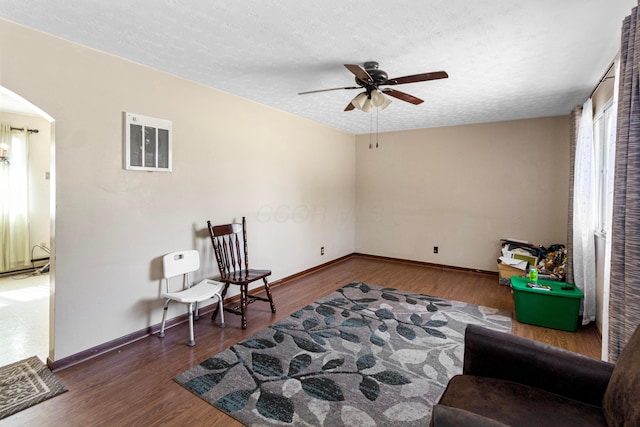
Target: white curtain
14, 201
584, 253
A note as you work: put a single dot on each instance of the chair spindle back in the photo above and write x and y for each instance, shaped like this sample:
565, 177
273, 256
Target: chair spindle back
229, 247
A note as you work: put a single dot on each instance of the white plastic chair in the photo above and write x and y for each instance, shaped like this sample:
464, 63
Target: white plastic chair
183, 263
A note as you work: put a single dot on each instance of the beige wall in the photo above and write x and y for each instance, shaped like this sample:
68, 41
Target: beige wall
39, 145
293, 179
301, 185
462, 189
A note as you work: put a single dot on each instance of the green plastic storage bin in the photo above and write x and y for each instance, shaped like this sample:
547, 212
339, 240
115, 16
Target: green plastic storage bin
555, 308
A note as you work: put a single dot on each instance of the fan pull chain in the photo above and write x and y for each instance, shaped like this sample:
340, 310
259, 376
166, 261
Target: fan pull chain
377, 133
371, 130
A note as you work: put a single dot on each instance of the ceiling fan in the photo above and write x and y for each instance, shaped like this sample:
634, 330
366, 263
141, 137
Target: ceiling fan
370, 78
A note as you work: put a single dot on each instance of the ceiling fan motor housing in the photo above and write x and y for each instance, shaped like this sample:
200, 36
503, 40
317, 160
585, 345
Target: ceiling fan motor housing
379, 76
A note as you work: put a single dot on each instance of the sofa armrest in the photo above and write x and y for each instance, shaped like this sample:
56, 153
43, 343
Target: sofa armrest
446, 416
504, 356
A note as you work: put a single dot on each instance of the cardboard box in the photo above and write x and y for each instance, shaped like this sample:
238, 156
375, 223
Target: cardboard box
505, 272
554, 308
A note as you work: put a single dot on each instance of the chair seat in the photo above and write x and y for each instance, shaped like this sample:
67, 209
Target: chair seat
203, 290
245, 276
517, 404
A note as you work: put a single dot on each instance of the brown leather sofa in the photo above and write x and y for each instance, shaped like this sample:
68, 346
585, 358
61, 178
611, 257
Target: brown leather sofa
513, 381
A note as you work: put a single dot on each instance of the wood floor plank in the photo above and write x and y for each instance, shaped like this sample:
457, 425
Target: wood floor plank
133, 385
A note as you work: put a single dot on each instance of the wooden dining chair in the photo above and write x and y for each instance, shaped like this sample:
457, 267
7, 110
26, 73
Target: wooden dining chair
231, 249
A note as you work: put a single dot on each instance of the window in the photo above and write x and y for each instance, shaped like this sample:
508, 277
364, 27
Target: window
604, 137
147, 143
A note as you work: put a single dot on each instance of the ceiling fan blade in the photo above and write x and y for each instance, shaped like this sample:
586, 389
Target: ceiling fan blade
417, 78
403, 96
359, 72
349, 107
327, 90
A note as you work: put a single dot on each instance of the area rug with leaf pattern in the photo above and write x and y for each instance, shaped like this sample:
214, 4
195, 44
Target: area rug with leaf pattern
361, 356
26, 383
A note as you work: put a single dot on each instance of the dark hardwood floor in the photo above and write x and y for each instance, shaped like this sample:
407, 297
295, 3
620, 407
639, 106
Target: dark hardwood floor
133, 385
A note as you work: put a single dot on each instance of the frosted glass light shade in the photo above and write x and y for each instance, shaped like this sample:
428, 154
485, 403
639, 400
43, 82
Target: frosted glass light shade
359, 100
386, 103
367, 106
379, 100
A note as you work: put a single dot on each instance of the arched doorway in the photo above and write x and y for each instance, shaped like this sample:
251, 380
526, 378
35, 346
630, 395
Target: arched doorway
28, 267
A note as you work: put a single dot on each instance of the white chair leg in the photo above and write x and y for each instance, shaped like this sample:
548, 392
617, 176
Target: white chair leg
221, 310
196, 314
192, 340
164, 318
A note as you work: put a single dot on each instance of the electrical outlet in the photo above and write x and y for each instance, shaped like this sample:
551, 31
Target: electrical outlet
435, 249
322, 250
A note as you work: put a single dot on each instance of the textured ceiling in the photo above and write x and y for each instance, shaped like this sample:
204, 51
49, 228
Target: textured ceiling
506, 59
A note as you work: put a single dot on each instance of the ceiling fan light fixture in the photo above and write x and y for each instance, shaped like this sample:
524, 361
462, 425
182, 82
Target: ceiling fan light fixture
378, 99
359, 100
367, 102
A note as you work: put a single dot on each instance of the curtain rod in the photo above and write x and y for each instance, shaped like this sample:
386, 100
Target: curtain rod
602, 79
28, 130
